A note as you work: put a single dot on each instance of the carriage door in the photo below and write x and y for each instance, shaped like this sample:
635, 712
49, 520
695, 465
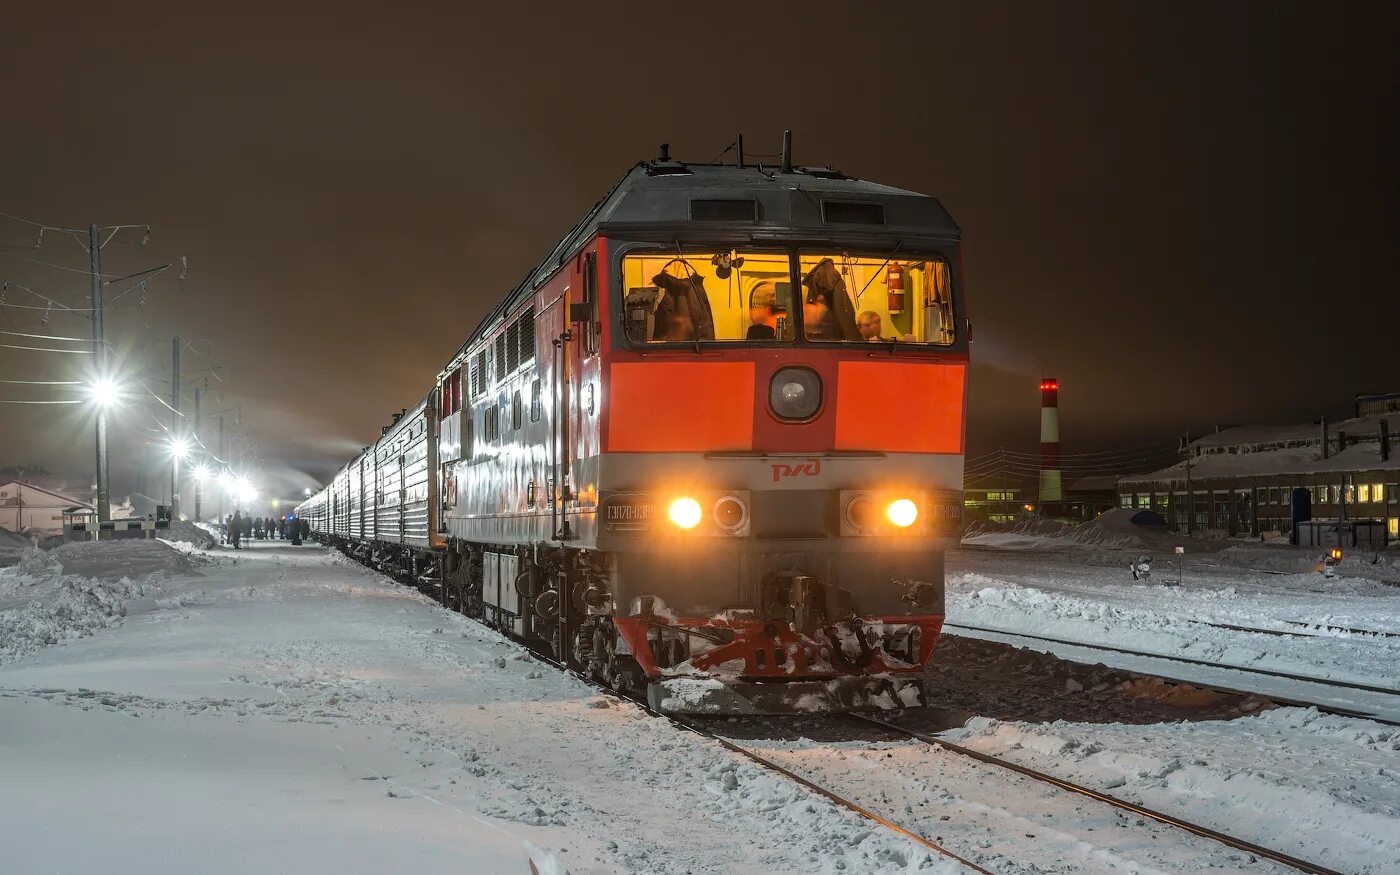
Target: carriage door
403, 495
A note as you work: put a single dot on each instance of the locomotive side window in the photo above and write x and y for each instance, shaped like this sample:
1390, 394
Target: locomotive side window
590, 297
450, 399
707, 296
894, 298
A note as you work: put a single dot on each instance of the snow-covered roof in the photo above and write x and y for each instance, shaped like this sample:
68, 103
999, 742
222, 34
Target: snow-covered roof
1292, 460
66, 498
1255, 435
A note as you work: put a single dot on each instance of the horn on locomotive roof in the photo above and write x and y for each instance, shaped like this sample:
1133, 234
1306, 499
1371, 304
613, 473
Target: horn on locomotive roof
665, 152
787, 151
739, 150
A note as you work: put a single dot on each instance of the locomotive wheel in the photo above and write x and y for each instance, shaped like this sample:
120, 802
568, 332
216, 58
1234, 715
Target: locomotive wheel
625, 676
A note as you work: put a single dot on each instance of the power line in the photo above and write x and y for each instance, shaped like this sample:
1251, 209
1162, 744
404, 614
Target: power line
48, 349
43, 382
48, 336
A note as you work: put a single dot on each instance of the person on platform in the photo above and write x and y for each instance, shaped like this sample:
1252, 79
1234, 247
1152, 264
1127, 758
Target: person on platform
235, 529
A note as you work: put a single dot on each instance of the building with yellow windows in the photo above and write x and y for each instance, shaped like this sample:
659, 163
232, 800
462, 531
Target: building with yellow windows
1255, 480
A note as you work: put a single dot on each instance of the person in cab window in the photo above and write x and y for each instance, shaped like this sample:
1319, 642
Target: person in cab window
869, 324
828, 311
763, 312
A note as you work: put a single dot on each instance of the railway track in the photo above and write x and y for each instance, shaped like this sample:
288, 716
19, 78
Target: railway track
874, 817
767, 763
1107, 799
863, 811
1283, 700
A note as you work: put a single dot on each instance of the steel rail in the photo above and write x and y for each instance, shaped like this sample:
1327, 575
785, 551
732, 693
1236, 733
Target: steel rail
1108, 648
1194, 828
766, 763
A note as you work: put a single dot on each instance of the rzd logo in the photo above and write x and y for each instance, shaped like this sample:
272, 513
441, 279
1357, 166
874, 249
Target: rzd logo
810, 468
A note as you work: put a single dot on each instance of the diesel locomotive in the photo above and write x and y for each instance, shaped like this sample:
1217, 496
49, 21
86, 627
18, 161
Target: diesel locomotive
710, 450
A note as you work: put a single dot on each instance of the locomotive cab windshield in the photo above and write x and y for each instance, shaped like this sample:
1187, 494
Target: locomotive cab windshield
743, 296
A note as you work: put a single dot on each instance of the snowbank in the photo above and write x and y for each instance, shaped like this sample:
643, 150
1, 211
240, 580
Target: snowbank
1319, 787
51, 596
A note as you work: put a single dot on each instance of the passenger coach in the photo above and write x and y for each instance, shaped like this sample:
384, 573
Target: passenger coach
717, 434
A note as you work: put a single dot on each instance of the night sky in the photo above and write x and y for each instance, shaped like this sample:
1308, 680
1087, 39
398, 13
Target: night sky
1185, 212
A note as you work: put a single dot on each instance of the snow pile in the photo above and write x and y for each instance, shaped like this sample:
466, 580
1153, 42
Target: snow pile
77, 607
13, 541
124, 558
51, 596
36, 563
186, 532
1316, 786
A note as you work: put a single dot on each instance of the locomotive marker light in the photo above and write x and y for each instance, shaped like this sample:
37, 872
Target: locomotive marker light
730, 513
903, 512
685, 512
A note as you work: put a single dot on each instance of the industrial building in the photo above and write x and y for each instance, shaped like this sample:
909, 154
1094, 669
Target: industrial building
1241, 481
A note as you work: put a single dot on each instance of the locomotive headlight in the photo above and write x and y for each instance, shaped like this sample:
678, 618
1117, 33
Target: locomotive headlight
903, 512
795, 393
685, 512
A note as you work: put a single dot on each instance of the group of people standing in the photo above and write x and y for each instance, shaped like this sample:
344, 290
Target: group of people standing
237, 527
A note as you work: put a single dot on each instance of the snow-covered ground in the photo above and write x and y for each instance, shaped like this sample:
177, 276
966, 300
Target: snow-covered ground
174, 708
1089, 596
282, 709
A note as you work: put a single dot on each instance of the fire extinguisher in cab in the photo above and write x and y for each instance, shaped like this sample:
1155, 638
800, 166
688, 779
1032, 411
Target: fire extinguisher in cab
894, 278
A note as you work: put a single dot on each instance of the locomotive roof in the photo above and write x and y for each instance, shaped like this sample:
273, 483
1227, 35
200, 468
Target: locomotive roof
657, 200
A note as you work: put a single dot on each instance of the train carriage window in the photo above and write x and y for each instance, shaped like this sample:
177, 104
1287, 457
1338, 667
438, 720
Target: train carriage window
535, 404
515, 410
724, 295
894, 298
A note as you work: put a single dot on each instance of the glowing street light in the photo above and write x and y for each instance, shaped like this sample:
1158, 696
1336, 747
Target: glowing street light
179, 447
104, 392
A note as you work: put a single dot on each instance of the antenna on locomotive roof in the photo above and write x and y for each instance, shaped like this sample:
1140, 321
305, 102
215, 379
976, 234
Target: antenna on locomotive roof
739, 150
665, 152
787, 151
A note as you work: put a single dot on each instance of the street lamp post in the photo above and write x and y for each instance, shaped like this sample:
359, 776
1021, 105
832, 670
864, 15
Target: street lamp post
99, 351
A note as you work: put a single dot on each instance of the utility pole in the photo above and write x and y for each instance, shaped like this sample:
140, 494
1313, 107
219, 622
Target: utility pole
223, 454
99, 350
176, 441
198, 515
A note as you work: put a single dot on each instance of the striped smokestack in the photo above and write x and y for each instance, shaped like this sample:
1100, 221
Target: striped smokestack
1051, 488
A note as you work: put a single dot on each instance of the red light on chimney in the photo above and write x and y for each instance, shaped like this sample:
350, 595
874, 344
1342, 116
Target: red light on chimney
1049, 384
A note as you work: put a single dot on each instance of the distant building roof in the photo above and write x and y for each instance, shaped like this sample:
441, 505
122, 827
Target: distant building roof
67, 498
1262, 450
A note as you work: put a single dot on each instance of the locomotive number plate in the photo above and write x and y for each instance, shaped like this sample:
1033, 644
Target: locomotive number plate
629, 513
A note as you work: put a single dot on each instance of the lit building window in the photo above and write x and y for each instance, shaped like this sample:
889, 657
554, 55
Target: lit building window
1364, 493
1377, 492
1393, 525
